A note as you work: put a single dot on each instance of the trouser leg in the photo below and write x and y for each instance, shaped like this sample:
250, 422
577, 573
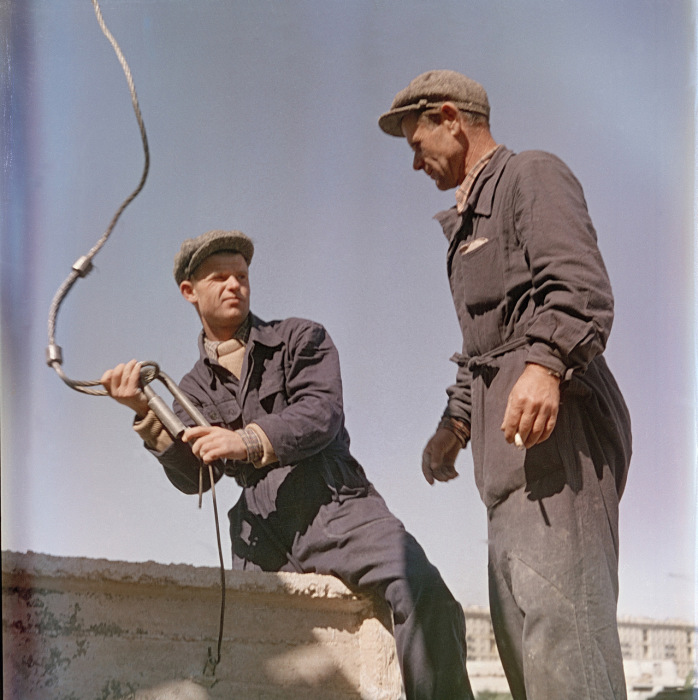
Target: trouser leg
364, 544
507, 623
554, 585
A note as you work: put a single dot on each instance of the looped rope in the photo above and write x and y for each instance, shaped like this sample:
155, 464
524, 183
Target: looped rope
150, 371
83, 266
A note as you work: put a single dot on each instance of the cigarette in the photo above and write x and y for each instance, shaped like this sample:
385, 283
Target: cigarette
518, 441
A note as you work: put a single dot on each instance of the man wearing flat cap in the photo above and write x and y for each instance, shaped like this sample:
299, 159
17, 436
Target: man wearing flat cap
273, 395
549, 430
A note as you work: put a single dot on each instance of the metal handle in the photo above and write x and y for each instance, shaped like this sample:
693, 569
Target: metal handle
150, 371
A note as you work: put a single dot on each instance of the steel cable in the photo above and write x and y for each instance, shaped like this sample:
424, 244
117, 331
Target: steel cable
83, 266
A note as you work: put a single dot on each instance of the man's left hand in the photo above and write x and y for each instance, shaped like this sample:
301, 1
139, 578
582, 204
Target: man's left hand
210, 443
439, 456
532, 407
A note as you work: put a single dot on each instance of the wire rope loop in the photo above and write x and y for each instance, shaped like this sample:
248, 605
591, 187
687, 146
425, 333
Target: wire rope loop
81, 268
84, 264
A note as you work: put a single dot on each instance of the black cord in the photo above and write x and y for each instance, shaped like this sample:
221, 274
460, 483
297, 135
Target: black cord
211, 662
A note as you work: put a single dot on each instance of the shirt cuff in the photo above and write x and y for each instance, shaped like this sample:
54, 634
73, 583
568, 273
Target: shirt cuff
259, 449
541, 354
152, 432
458, 427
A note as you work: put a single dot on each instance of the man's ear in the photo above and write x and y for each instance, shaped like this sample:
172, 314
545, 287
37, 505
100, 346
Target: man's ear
187, 290
450, 116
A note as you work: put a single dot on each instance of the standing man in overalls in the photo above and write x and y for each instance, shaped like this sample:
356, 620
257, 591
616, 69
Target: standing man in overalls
535, 308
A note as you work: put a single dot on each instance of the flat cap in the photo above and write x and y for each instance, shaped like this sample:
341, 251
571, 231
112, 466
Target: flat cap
432, 89
195, 250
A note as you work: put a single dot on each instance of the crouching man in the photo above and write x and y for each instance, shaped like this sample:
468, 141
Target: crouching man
272, 393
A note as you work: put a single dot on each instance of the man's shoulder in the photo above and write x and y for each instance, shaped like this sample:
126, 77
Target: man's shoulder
536, 161
284, 326
289, 331
537, 170
524, 159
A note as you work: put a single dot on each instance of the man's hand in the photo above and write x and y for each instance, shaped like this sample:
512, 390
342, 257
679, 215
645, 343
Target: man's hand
123, 384
210, 443
439, 456
532, 406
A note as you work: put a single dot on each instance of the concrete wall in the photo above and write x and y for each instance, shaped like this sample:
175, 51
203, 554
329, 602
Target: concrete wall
83, 629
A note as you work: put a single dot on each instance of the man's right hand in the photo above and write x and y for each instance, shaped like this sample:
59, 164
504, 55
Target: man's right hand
123, 384
439, 456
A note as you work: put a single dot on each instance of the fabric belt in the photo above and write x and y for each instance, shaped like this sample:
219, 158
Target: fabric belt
486, 358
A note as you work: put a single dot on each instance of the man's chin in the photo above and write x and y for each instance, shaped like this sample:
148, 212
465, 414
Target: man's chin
441, 183
235, 317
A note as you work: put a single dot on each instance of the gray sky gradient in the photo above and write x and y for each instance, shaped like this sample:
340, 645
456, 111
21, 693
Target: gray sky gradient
262, 116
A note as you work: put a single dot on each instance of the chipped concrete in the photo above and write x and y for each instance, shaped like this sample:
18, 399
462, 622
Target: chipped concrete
86, 629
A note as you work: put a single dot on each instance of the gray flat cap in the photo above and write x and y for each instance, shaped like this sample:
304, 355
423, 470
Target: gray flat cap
195, 250
432, 89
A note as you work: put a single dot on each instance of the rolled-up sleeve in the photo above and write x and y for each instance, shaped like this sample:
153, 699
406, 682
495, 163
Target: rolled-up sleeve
459, 394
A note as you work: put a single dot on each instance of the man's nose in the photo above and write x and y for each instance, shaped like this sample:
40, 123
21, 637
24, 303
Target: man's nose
417, 162
232, 282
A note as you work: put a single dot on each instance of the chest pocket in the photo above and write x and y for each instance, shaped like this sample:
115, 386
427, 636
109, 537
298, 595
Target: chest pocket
477, 285
225, 412
478, 275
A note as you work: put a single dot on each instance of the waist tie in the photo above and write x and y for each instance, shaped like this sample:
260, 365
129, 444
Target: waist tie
486, 358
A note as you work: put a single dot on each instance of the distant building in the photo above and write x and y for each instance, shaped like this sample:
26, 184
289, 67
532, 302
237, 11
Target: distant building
657, 655
484, 667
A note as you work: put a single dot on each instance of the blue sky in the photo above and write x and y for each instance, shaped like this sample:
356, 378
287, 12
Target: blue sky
262, 116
